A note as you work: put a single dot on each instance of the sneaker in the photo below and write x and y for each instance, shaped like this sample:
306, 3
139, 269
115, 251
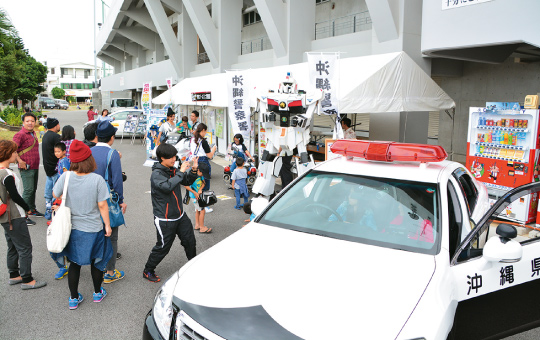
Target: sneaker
30, 222
48, 214
38, 284
61, 273
151, 276
118, 256
118, 275
49, 223
35, 213
208, 209
74, 303
100, 296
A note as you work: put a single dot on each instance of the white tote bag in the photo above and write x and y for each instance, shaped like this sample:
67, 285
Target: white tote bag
60, 229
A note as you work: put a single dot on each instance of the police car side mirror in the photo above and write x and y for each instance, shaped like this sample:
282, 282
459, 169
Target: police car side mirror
258, 205
503, 248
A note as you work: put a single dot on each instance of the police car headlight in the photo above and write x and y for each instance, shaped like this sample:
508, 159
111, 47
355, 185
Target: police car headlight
163, 309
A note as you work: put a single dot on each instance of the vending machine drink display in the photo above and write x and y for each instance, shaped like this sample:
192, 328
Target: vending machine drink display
503, 149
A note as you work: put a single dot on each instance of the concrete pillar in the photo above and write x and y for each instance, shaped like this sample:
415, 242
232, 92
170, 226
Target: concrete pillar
128, 63
205, 27
404, 127
160, 52
301, 28
117, 67
187, 37
290, 26
169, 41
141, 59
227, 15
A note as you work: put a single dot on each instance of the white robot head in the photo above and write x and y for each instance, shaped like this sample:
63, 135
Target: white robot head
289, 85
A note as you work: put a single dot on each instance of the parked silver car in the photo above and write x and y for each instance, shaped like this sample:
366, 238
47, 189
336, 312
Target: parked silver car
61, 104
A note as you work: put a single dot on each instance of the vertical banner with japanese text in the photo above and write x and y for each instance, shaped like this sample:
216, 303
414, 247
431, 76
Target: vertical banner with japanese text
146, 98
239, 110
324, 75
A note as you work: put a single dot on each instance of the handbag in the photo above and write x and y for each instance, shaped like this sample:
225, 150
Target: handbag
207, 198
60, 229
186, 198
194, 154
116, 217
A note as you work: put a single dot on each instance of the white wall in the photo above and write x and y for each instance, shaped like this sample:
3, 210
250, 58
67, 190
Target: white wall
489, 23
156, 73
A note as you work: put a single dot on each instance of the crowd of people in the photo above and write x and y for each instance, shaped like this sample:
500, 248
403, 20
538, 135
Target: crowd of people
83, 174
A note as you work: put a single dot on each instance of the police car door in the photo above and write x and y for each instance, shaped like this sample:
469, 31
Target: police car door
496, 297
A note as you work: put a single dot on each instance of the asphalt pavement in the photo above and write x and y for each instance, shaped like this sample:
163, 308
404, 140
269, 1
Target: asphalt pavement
44, 313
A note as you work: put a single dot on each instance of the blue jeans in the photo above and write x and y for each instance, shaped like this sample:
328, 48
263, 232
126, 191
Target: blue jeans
238, 197
204, 159
49, 184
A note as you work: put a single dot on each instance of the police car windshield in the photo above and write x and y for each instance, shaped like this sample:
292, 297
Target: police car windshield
383, 212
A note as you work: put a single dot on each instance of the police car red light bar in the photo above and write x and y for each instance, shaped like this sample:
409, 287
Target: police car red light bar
389, 151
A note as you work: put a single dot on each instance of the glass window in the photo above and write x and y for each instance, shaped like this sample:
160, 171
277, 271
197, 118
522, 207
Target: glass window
467, 187
455, 220
382, 212
121, 115
251, 18
124, 102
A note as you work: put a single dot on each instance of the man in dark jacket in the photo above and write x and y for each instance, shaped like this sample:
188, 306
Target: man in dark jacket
169, 217
48, 142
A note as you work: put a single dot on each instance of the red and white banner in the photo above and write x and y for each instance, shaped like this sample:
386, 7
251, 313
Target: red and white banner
146, 99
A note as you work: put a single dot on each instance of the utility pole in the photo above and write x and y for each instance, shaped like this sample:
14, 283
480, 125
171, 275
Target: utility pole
95, 54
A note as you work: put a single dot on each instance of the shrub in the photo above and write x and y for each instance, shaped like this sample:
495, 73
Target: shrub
12, 116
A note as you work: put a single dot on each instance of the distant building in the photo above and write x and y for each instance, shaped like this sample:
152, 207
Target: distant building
77, 79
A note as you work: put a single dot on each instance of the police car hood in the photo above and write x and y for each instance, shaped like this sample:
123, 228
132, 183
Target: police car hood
314, 287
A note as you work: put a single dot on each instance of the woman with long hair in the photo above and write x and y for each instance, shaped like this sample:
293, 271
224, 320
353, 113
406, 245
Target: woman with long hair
200, 148
89, 242
166, 127
13, 220
68, 136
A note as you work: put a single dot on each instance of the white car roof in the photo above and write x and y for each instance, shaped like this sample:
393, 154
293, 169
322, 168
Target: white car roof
411, 171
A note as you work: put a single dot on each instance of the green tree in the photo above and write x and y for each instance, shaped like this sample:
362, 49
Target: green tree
12, 54
58, 93
7, 30
35, 74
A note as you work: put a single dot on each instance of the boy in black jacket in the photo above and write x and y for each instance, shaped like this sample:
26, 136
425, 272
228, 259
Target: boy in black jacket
169, 217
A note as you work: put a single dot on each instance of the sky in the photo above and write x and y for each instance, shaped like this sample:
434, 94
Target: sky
56, 31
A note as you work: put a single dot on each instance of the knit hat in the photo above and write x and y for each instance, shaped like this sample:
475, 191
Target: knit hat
105, 129
78, 151
51, 122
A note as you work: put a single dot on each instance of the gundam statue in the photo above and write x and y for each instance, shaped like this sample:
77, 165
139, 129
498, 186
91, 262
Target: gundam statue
285, 119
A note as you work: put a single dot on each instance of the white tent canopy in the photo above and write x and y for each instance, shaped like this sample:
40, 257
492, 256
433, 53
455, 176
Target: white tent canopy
390, 82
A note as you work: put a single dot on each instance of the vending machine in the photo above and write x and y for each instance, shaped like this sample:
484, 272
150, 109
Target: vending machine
503, 149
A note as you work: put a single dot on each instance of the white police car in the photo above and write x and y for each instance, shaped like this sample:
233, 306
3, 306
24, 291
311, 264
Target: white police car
390, 242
